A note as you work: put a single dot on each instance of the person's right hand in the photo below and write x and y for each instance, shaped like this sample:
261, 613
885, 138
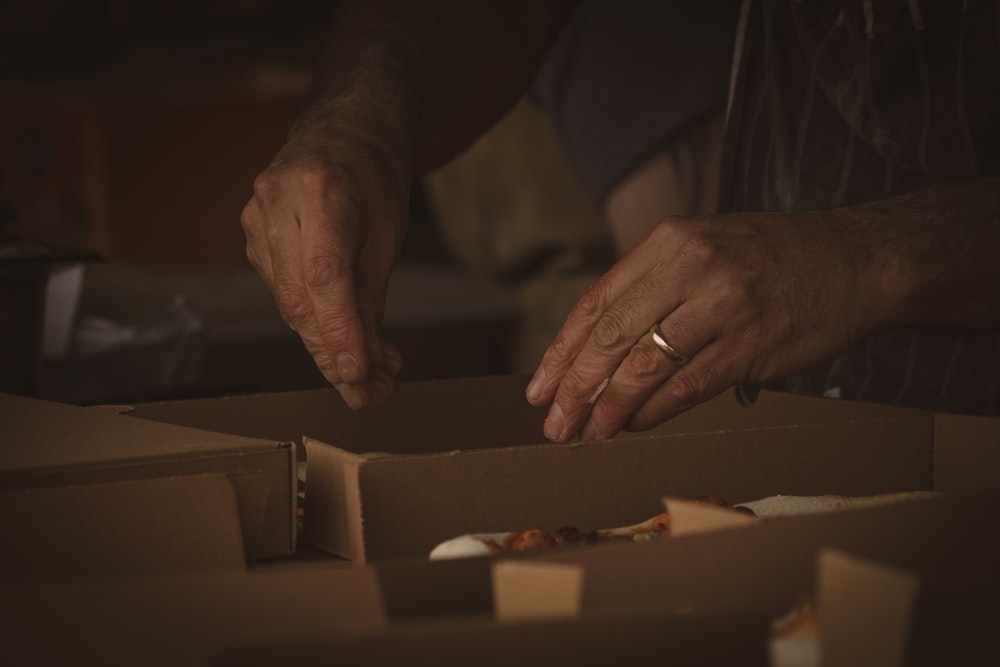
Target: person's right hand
324, 229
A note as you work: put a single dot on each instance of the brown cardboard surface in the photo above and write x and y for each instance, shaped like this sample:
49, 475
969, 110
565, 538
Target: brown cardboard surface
402, 506
967, 455
49, 445
120, 528
527, 591
469, 413
873, 614
182, 619
602, 640
415, 589
954, 625
771, 564
443, 458
864, 611
421, 417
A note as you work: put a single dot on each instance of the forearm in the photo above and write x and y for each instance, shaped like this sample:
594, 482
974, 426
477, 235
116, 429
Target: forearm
425, 77
938, 253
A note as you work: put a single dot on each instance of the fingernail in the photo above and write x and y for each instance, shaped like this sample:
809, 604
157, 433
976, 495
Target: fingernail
589, 432
348, 367
554, 422
534, 391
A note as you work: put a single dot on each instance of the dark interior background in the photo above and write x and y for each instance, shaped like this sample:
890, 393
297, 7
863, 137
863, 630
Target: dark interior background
133, 129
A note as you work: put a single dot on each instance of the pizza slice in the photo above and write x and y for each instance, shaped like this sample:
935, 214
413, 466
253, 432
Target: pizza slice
535, 539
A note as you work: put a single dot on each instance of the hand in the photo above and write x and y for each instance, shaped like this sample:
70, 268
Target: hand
324, 229
745, 297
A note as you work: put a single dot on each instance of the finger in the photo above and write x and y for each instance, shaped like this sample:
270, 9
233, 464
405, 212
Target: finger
646, 367
392, 359
713, 370
650, 255
382, 384
355, 396
329, 254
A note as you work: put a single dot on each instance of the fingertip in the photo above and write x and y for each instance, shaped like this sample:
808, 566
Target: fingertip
392, 358
354, 396
534, 391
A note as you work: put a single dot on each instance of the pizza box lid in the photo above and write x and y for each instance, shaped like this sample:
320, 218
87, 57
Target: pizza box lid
46, 436
67, 454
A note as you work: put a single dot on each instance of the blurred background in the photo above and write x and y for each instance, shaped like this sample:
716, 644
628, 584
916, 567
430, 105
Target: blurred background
130, 134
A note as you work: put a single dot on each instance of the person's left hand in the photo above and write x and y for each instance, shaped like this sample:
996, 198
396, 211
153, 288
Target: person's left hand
742, 298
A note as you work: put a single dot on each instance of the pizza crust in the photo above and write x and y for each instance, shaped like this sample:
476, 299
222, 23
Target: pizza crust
534, 539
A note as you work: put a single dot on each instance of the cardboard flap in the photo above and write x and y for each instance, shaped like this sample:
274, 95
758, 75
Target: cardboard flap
182, 619
121, 528
47, 435
864, 611
527, 590
771, 564
692, 518
328, 502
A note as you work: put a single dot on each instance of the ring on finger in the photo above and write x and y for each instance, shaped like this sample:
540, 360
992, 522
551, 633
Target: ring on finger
669, 350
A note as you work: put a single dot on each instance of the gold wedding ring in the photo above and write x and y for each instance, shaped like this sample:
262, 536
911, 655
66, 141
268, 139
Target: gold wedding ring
665, 347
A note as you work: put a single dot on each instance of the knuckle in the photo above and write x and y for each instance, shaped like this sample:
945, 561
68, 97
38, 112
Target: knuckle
560, 351
645, 361
684, 390
267, 187
571, 390
610, 331
335, 327
697, 250
293, 303
323, 269
593, 300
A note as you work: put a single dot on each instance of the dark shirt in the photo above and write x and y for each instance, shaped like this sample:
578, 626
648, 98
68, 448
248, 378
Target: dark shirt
838, 103
623, 78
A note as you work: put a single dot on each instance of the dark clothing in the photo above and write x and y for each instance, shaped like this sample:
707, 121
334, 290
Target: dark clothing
838, 103
625, 77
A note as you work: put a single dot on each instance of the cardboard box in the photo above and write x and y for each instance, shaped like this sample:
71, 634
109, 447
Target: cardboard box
182, 619
443, 459
641, 637
423, 468
92, 492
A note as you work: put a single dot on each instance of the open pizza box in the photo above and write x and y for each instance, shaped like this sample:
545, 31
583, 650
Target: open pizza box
442, 459
90, 492
921, 592
910, 582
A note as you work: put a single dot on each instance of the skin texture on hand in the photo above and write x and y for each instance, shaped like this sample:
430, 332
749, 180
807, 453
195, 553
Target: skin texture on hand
327, 218
326, 246
757, 297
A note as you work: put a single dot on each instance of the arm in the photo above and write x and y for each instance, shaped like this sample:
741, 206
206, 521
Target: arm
404, 86
757, 297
